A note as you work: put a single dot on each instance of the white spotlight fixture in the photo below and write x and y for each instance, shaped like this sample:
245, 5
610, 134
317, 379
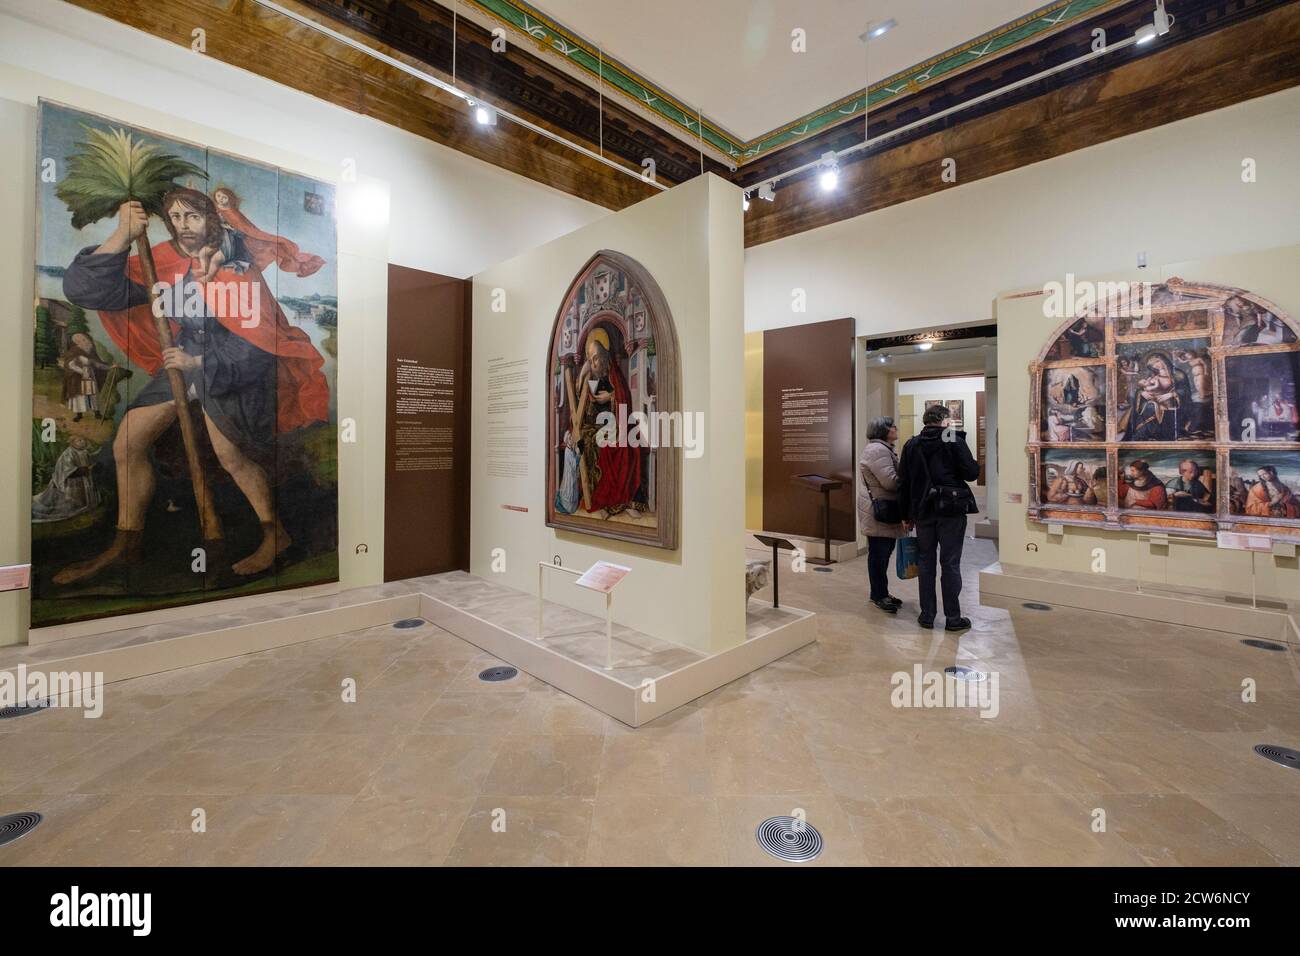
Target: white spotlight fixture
885, 359
1163, 21
744, 203
1160, 23
875, 30
767, 191
924, 346
483, 114
829, 177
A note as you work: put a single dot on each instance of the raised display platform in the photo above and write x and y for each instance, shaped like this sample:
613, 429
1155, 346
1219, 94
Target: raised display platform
649, 677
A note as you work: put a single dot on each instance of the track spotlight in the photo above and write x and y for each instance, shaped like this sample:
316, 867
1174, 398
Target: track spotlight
767, 191
885, 359
1160, 23
744, 204
924, 346
483, 114
1163, 21
875, 30
829, 177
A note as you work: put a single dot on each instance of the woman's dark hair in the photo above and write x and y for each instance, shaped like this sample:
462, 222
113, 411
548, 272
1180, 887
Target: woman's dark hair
878, 428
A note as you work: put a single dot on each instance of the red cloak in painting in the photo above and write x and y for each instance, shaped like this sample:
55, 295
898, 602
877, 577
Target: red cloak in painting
620, 465
302, 392
267, 248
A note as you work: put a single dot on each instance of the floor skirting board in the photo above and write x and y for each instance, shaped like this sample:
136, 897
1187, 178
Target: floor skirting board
1003, 585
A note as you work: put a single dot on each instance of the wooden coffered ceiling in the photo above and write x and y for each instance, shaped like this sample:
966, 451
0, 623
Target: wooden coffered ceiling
1220, 52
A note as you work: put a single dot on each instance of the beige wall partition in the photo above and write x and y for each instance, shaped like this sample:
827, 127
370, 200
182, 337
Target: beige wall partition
1023, 333
689, 240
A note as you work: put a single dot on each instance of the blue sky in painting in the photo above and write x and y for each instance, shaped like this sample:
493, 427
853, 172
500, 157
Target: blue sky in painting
273, 200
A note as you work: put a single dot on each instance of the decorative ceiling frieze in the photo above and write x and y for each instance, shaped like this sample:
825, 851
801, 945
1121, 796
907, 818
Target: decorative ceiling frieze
558, 40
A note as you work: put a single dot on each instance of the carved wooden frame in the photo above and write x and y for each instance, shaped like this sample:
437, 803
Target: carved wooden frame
1210, 299
667, 460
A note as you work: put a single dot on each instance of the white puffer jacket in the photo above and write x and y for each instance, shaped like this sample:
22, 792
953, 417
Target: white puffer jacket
879, 468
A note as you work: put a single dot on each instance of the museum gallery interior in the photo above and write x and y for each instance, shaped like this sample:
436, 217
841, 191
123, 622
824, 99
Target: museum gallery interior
479, 432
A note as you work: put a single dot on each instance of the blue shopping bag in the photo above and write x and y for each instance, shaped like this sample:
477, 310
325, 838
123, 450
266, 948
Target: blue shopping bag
907, 560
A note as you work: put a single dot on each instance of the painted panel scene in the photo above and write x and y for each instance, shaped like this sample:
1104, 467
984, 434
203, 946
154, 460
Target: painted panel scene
1167, 481
1074, 403
1246, 323
183, 411
1265, 484
603, 362
1084, 338
1262, 396
1176, 320
1165, 391
955, 407
1073, 477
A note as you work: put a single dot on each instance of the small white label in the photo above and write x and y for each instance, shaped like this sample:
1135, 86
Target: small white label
16, 577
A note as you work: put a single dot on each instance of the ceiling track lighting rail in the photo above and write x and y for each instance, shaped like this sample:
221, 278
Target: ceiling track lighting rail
484, 113
1159, 27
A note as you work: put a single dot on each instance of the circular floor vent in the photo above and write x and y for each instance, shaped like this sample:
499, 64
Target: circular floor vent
409, 622
32, 707
789, 839
1036, 606
494, 675
1263, 645
15, 825
1283, 755
960, 672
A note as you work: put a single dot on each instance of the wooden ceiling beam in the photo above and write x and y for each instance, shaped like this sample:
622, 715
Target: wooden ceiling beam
1239, 62
246, 35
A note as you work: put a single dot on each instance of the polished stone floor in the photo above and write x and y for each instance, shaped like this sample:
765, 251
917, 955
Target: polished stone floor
1115, 742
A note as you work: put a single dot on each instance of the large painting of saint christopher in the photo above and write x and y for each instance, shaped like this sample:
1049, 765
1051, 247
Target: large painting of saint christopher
183, 411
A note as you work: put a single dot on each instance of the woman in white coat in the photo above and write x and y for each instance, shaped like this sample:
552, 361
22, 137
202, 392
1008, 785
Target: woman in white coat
879, 470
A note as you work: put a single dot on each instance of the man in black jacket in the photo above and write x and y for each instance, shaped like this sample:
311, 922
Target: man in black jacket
932, 490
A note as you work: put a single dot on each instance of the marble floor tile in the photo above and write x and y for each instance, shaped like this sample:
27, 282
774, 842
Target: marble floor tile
1098, 720
512, 830
655, 830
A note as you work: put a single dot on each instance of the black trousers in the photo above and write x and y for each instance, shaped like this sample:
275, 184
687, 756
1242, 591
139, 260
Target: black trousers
879, 551
939, 542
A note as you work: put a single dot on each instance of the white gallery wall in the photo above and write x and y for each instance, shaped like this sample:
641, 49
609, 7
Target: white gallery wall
1174, 192
414, 203
690, 240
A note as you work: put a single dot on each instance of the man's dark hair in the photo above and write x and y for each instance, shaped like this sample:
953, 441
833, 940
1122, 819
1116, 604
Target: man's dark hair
934, 415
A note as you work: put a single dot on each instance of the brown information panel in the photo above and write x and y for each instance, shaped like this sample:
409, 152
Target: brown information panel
808, 427
426, 479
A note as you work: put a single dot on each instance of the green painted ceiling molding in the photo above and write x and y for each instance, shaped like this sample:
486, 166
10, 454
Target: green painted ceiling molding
561, 41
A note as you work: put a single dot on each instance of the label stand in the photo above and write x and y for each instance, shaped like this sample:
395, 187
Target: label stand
602, 577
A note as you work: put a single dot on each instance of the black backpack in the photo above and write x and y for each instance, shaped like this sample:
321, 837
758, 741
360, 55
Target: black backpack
944, 501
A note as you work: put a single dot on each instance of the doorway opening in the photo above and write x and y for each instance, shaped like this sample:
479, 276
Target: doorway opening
905, 374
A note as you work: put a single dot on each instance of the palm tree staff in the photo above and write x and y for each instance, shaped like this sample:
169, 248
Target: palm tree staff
117, 173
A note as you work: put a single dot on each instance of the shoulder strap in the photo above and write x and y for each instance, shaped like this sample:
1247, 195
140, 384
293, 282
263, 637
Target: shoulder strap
925, 465
866, 484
